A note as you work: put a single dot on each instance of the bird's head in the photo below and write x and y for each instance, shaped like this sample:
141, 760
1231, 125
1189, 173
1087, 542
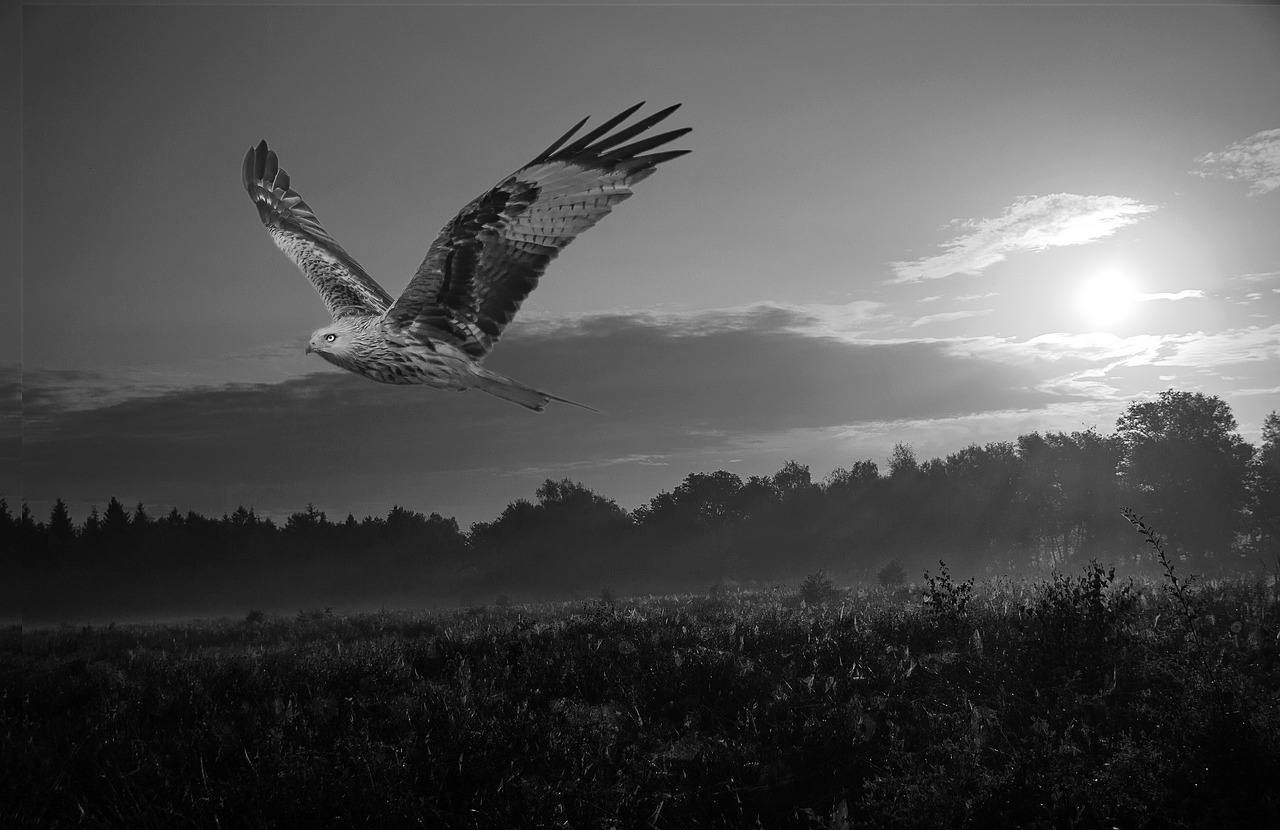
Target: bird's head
333, 342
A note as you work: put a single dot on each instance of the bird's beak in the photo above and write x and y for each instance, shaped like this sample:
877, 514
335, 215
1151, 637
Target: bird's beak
308, 349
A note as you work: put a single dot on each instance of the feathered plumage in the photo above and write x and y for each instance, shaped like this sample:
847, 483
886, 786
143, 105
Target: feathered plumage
478, 271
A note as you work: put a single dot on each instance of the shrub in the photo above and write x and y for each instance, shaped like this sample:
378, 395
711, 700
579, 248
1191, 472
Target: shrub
892, 574
944, 596
1081, 621
818, 588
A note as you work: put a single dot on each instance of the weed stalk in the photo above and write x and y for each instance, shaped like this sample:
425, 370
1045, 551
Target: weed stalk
1181, 591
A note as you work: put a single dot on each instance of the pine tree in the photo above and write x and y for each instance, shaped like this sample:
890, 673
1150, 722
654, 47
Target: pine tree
115, 521
8, 527
61, 528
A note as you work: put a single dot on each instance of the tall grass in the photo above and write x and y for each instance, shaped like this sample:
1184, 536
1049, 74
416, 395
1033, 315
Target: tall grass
1075, 702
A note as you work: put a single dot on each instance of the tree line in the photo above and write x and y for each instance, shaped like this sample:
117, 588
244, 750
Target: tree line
1041, 501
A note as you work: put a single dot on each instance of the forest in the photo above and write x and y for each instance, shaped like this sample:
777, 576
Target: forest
1037, 504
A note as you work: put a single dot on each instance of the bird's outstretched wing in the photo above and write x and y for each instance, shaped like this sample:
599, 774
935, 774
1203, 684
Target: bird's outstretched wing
490, 256
343, 285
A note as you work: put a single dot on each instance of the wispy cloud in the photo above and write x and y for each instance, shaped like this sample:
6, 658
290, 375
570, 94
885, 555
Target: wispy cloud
1257, 276
1243, 345
947, 316
1195, 350
1088, 364
1187, 294
1254, 160
1032, 223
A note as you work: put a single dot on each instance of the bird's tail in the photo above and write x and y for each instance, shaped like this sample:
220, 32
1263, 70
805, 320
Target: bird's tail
504, 387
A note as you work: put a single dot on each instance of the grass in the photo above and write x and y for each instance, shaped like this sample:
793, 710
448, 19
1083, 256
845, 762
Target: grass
1075, 702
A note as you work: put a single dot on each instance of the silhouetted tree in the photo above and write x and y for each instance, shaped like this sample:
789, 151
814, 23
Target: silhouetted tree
1186, 468
701, 501
793, 478
308, 522
861, 475
415, 538
8, 527
1264, 489
91, 530
1069, 495
756, 497
975, 499
115, 520
62, 531
902, 461
569, 537
172, 521
29, 530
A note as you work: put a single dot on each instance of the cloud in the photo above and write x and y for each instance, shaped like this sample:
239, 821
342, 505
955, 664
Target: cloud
674, 395
1254, 160
1251, 344
1087, 366
1195, 350
947, 316
1257, 276
822, 318
1187, 294
1032, 223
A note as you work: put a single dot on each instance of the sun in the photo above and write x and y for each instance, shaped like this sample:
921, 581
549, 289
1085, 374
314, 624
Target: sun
1107, 297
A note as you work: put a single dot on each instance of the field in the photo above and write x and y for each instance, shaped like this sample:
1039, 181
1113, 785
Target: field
1080, 701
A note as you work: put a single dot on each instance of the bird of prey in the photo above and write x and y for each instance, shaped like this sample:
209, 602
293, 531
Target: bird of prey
480, 268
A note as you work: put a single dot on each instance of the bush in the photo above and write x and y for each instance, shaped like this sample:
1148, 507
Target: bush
891, 574
944, 596
818, 588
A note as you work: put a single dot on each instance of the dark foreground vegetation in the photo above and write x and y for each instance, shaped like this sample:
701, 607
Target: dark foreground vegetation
1081, 701
1024, 506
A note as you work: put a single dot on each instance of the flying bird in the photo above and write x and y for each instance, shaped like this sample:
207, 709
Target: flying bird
478, 271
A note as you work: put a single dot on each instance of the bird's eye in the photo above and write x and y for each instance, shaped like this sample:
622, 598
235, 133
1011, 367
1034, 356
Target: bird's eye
329, 338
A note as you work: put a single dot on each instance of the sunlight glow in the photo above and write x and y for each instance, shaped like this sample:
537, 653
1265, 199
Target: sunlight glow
1107, 298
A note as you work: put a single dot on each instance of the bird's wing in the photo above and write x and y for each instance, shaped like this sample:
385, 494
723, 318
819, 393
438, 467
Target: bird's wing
343, 285
490, 256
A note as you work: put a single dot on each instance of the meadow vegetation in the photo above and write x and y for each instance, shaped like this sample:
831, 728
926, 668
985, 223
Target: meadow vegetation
1083, 700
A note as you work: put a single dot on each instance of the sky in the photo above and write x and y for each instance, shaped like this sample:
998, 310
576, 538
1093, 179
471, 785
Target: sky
931, 224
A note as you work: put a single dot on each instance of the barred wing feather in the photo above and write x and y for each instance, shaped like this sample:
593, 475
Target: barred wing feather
343, 285
489, 257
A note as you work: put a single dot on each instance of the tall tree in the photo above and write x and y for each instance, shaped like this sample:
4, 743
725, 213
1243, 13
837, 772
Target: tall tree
1185, 467
91, 531
8, 527
860, 475
61, 529
115, 521
1069, 495
310, 522
794, 477
903, 463
702, 500
1264, 489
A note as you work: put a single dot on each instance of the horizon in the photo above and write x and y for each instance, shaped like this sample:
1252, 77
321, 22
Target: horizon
156, 511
